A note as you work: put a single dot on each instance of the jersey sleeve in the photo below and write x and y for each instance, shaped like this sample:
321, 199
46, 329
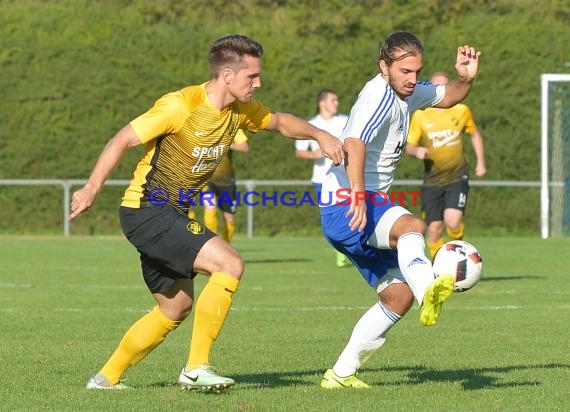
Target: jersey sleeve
255, 116
167, 115
240, 137
426, 95
470, 126
415, 133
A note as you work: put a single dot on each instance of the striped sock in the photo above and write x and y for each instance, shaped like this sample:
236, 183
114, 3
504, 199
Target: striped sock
367, 336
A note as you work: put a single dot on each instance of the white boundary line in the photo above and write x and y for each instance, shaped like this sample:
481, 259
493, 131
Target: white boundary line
295, 309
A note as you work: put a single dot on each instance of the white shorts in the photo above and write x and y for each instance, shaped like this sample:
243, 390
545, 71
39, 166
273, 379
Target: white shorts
392, 276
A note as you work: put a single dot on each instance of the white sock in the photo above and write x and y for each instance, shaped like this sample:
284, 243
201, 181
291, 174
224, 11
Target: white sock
367, 336
414, 264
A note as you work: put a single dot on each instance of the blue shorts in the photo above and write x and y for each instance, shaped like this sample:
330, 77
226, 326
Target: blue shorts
371, 262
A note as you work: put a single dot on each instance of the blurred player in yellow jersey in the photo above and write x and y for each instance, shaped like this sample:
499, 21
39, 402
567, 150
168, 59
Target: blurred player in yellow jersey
186, 134
436, 137
223, 190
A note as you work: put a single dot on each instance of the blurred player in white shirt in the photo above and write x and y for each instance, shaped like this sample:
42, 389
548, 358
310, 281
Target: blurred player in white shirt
333, 122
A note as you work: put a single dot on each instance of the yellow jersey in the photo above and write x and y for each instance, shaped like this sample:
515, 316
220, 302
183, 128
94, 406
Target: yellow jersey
225, 174
441, 132
185, 138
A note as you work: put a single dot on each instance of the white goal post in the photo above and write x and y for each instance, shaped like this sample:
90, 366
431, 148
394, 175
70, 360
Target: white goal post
555, 155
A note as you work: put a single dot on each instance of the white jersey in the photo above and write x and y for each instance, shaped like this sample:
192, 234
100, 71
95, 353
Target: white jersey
334, 126
381, 120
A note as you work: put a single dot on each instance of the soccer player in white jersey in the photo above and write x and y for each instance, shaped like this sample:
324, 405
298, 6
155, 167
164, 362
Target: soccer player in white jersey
382, 239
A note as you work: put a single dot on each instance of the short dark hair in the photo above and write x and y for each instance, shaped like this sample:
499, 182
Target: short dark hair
229, 51
322, 95
399, 40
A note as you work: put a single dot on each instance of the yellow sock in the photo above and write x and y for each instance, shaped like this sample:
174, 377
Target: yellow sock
145, 335
211, 219
212, 309
456, 234
229, 231
433, 247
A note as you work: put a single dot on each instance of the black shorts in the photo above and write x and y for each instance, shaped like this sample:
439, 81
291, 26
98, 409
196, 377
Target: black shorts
436, 199
226, 196
168, 242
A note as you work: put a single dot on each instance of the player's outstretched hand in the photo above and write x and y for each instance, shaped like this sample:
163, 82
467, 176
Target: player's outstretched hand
332, 148
422, 153
480, 170
81, 201
467, 62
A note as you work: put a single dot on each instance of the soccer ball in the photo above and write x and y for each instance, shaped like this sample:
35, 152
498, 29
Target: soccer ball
460, 260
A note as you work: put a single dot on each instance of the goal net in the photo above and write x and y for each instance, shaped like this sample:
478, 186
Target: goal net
555, 155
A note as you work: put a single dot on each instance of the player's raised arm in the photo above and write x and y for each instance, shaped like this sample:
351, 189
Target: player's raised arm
292, 126
466, 66
111, 155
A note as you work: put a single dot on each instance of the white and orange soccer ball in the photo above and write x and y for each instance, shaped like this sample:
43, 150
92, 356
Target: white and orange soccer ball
460, 260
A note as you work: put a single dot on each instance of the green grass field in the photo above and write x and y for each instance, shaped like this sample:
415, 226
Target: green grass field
503, 346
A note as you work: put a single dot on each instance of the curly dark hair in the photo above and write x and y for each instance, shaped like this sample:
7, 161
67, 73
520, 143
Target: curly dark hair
399, 40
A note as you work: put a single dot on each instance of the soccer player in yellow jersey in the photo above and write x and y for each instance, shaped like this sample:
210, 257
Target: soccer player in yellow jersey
186, 134
436, 137
222, 190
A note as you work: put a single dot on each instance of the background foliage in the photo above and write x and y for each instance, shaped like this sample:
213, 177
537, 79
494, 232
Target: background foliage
74, 72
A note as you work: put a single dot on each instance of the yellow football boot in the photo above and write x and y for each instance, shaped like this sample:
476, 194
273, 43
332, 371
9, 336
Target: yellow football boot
436, 293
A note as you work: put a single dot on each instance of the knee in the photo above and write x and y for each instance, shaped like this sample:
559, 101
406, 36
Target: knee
177, 312
239, 267
417, 225
218, 256
184, 312
398, 298
233, 265
404, 225
453, 225
411, 224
